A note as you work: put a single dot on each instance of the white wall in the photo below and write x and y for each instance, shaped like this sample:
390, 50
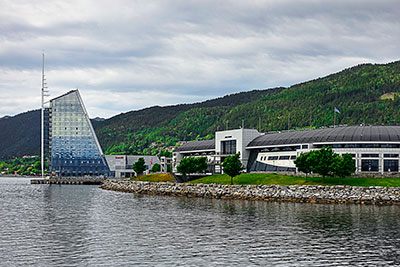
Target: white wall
242, 136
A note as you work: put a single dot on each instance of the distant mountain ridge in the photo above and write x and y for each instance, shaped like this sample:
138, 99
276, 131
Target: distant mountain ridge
360, 93
20, 135
5, 117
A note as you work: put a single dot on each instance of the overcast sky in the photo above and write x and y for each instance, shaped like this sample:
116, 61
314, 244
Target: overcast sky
126, 55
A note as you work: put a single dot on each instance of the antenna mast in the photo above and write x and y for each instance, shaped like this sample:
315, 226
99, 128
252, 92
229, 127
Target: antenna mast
44, 87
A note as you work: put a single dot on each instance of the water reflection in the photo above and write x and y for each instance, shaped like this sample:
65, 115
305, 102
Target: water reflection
83, 225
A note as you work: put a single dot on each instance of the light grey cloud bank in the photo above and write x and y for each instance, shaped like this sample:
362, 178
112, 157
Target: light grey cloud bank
126, 55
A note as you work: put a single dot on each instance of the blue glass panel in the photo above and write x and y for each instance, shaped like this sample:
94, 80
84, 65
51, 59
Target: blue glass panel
74, 147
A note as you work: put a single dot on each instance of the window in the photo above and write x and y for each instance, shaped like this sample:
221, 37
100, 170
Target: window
284, 157
391, 165
370, 155
391, 155
304, 146
293, 157
389, 145
228, 147
369, 165
272, 157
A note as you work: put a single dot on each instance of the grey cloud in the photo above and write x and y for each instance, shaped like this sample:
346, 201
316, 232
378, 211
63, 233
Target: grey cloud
194, 49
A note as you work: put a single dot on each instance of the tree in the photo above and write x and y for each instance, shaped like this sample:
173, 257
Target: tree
326, 163
344, 165
200, 164
192, 165
139, 166
232, 166
323, 161
156, 168
302, 163
185, 167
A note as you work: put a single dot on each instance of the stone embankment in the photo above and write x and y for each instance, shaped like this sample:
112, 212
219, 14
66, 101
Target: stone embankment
292, 193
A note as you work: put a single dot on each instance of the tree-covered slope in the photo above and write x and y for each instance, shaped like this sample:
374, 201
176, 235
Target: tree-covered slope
135, 131
20, 135
356, 92
367, 93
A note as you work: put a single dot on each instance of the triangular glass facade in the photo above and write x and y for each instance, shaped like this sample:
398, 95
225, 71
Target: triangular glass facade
74, 148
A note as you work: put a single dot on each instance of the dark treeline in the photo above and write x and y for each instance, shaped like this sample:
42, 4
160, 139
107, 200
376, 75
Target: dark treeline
20, 135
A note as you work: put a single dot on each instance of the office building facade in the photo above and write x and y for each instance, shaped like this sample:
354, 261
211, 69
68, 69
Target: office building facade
375, 149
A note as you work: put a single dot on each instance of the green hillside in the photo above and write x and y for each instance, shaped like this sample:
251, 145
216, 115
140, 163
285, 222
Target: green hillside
135, 131
367, 94
357, 92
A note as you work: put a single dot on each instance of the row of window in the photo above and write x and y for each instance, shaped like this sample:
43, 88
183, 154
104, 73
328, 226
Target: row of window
72, 117
377, 155
372, 165
228, 147
353, 155
283, 148
63, 161
359, 145
294, 148
69, 154
293, 157
198, 154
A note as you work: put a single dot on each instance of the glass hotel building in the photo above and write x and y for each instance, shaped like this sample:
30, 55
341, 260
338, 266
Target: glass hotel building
73, 146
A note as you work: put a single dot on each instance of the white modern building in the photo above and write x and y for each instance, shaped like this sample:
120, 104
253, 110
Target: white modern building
375, 149
121, 166
225, 143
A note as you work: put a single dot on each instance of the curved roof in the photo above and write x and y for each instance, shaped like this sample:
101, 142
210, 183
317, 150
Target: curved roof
327, 135
197, 145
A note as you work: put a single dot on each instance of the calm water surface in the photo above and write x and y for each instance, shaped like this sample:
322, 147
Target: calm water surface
70, 225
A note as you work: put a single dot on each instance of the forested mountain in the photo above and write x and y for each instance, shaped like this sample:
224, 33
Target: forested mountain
358, 93
135, 131
367, 93
20, 135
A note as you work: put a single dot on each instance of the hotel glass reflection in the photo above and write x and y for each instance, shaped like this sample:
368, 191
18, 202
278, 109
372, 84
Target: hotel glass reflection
74, 148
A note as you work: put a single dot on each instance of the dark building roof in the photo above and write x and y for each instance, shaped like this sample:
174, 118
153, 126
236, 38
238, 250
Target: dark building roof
327, 135
197, 145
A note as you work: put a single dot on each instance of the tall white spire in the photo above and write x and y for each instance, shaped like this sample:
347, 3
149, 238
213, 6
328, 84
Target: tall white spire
44, 87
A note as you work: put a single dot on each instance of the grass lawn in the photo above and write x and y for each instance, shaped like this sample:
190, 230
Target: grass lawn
155, 177
277, 179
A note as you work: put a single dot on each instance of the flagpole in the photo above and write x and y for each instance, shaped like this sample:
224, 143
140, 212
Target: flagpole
334, 118
42, 123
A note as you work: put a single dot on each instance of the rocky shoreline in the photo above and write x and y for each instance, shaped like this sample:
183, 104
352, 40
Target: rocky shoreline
293, 193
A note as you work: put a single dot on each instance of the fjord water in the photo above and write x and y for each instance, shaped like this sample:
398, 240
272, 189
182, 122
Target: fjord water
70, 225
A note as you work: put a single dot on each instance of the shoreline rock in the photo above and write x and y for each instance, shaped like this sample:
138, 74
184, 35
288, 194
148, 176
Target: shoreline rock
293, 193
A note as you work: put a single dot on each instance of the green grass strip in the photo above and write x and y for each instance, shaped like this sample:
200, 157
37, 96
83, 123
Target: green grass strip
277, 179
